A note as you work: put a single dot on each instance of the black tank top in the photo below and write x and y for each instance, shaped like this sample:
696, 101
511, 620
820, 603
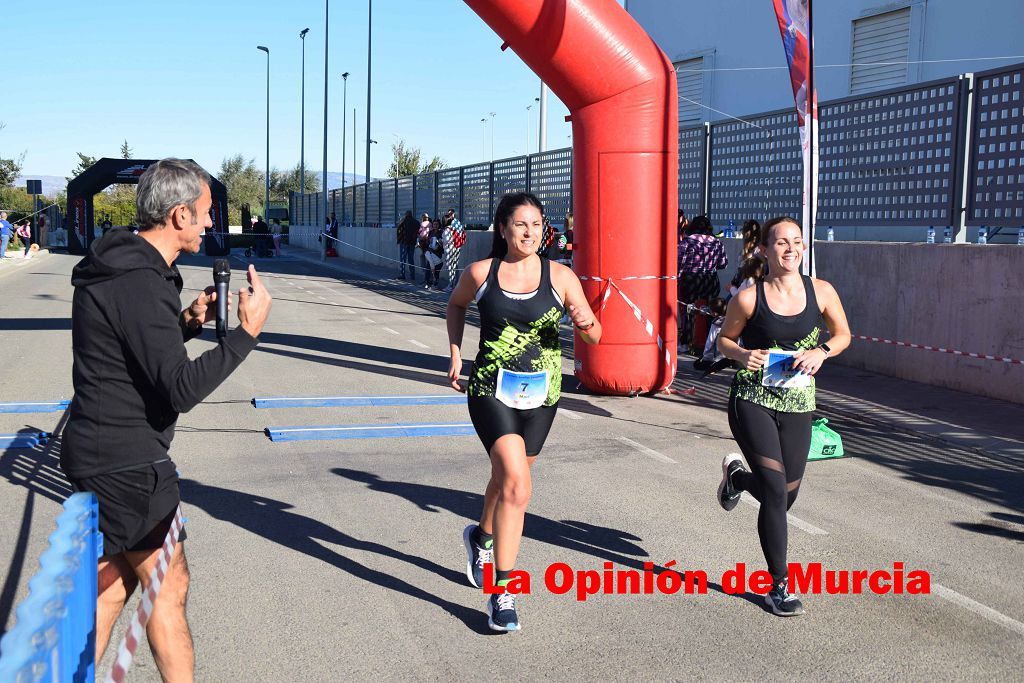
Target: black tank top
766, 329
518, 332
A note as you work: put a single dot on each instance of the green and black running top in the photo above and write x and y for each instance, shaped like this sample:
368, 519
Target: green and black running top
518, 332
769, 330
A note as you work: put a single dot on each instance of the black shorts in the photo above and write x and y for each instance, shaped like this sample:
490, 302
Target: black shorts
136, 506
493, 420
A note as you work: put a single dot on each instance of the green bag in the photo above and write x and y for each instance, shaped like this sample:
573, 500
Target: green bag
825, 442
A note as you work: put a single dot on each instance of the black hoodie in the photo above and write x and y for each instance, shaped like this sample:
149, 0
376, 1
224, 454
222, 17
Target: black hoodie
131, 373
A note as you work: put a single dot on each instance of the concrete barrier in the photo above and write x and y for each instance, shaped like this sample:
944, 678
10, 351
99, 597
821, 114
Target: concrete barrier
955, 296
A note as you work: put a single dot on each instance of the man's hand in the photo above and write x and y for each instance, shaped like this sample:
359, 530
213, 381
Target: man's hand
253, 304
201, 311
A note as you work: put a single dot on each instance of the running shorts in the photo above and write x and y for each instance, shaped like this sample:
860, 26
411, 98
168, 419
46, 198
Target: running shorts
493, 420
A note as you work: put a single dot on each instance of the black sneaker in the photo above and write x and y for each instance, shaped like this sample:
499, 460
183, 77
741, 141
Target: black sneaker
782, 603
476, 558
728, 496
501, 612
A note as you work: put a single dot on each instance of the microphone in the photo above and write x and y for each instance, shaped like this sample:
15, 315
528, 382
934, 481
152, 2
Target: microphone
221, 278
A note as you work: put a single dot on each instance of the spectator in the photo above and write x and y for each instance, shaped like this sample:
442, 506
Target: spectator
435, 254
5, 234
452, 239
752, 267
565, 242
422, 240
701, 256
275, 232
25, 235
406, 239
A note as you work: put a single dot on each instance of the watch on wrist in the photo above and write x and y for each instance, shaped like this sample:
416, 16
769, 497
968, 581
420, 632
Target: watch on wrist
826, 349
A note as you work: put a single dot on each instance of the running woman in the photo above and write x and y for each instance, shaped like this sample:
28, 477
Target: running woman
515, 382
770, 404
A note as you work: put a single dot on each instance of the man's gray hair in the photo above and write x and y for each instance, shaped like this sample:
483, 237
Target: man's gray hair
166, 184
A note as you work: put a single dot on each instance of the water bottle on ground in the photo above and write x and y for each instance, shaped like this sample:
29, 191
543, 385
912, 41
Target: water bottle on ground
947, 235
931, 235
1020, 237
982, 235
830, 235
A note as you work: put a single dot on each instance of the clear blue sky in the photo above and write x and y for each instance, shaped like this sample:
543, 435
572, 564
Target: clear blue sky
185, 79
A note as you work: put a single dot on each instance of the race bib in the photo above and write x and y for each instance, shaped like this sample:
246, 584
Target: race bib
778, 371
522, 390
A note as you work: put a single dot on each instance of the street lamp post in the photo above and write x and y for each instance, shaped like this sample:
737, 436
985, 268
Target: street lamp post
369, 54
543, 116
483, 138
302, 142
266, 193
323, 185
492, 136
527, 148
344, 108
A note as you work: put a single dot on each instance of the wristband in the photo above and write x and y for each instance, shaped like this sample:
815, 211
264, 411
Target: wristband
584, 329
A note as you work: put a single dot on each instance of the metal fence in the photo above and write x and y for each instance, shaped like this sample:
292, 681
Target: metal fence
54, 638
896, 157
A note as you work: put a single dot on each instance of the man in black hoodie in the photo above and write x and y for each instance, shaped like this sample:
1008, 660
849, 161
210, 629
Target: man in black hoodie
132, 378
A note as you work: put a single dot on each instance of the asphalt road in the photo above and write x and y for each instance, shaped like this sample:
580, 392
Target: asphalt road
337, 559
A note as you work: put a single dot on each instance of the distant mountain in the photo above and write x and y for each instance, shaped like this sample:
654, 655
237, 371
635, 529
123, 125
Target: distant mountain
52, 184
334, 179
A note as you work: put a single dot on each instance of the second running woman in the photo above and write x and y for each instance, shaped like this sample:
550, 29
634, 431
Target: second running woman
515, 383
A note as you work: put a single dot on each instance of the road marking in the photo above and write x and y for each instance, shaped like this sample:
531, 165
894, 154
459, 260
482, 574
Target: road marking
369, 320
350, 311
389, 330
795, 521
978, 608
369, 431
569, 414
419, 344
646, 451
352, 401
37, 407
322, 298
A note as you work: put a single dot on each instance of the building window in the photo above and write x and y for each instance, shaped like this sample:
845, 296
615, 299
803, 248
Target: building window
690, 82
881, 49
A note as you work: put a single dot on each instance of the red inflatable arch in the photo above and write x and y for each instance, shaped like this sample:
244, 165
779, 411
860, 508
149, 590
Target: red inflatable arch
621, 93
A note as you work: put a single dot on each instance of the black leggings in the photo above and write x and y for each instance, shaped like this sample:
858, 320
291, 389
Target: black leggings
493, 420
775, 445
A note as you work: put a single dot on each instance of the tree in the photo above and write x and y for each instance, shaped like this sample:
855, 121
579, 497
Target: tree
84, 162
407, 161
244, 183
126, 151
10, 169
281, 183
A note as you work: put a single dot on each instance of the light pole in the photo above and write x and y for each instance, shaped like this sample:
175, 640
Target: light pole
302, 142
266, 193
483, 138
323, 184
528, 108
369, 54
344, 108
543, 116
536, 100
492, 136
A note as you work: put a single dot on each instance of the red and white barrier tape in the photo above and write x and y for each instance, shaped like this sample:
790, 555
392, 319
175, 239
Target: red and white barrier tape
642, 319
981, 356
126, 651
595, 278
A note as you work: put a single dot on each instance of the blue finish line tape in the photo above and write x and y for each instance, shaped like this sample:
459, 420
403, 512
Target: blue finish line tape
355, 401
28, 440
369, 431
39, 407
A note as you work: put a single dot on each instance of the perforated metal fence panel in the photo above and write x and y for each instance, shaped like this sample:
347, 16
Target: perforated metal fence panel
890, 158
692, 148
996, 179
361, 204
424, 199
476, 194
349, 213
404, 198
449, 192
373, 203
551, 181
509, 176
388, 194
756, 168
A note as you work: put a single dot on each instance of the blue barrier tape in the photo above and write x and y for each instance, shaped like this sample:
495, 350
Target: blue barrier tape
369, 431
355, 401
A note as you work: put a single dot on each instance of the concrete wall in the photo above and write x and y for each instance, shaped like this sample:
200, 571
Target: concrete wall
957, 296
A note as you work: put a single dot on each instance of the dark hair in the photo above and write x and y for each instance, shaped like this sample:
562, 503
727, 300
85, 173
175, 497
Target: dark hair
717, 306
503, 214
766, 229
700, 225
751, 237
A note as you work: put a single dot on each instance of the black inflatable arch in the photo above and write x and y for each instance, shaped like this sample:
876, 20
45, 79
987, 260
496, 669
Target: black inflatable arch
105, 172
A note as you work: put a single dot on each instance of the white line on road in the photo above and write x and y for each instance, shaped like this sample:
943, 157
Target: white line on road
322, 298
978, 608
350, 311
795, 521
419, 344
370, 320
646, 451
389, 330
569, 414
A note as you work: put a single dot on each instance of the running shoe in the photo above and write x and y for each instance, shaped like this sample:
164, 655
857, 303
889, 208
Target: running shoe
728, 496
476, 558
501, 612
782, 603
